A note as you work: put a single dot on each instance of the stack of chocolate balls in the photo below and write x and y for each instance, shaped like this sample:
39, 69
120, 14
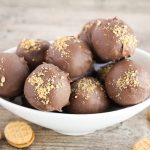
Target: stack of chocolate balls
60, 76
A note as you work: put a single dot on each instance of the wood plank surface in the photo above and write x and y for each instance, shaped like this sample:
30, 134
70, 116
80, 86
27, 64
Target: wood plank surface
48, 19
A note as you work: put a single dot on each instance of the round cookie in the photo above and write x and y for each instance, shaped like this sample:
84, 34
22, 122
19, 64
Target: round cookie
127, 83
33, 51
71, 55
19, 134
87, 97
13, 72
142, 144
47, 88
113, 40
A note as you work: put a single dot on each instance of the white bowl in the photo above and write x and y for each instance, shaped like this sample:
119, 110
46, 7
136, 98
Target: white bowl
73, 124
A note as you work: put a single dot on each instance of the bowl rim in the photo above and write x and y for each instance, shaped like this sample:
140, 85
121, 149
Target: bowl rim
74, 115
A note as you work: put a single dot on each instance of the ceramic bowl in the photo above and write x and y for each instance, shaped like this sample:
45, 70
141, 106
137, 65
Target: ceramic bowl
80, 124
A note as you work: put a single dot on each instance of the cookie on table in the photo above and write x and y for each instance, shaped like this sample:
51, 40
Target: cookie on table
142, 144
19, 134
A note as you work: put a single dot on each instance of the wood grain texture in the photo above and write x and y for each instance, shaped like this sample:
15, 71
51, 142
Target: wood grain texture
49, 19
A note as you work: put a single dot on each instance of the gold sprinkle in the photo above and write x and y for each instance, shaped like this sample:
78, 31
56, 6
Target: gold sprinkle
62, 77
87, 27
1, 84
61, 44
118, 95
30, 45
1, 64
98, 23
2, 71
83, 102
2, 79
76, 96
42, 87
86, 86
124, 36
2, 60
129, 79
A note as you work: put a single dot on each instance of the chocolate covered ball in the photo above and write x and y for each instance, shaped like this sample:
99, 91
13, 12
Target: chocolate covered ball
86, 32
33, 51
71, 55
47, 88
127, 83
87, 97
13, 72
113, 40
86, 35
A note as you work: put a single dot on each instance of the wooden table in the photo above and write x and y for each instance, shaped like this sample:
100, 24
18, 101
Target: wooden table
48, 19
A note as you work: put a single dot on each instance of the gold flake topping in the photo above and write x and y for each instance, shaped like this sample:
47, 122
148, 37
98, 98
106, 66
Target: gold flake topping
87, 27
2, 81
86, 86
124, 36
61, 44
129, 79
30, 45
122, 33
42, 88
98, 23
2, 72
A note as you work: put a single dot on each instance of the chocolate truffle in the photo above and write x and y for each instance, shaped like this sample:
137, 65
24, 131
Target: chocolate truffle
13, 72
127, 83
33, 51
47, 88
71, 55
113, 40
86, 32
87, 97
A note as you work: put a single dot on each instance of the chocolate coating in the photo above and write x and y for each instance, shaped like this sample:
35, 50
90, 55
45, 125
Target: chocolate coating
113, 40
47, 88
33, 51
86, 35
13, 72
128, 83
71, 55
87, 97
86, 32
